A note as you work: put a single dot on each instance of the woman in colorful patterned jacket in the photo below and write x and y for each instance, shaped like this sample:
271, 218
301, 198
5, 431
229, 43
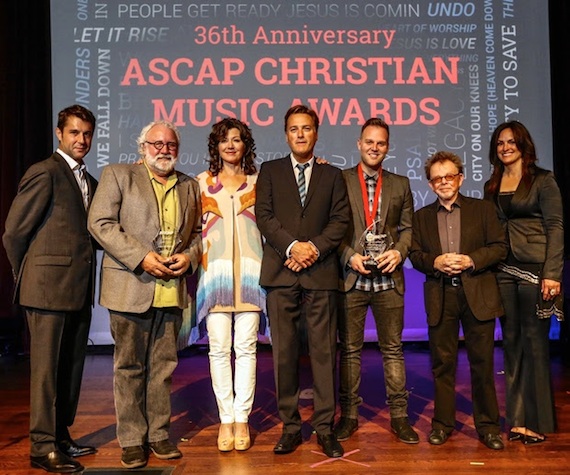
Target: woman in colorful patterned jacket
229, 295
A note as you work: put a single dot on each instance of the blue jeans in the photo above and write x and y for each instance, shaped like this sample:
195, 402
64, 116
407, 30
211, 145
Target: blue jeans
144, 360
388, 310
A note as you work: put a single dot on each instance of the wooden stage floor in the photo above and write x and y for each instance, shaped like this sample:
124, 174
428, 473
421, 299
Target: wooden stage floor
373, 449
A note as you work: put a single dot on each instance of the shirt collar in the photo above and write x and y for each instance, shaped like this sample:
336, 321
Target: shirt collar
171, 180
456, 204
295, 162
73, 164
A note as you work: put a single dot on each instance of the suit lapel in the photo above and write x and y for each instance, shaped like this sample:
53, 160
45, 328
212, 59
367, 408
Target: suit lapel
355, 196
316, 174
431, 232
385, 196
142, 180
183, 190
70, 176
287, 177
522, 190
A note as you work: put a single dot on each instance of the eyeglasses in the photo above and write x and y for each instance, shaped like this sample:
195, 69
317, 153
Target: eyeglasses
448, 178
160, 145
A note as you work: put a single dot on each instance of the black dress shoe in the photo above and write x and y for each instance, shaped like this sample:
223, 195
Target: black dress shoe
531, 439
402, 428
56, 462
515, 436
437, 437
165, 450
134, 457
492, 441
71, 449
330, 445
288, 443
345, 428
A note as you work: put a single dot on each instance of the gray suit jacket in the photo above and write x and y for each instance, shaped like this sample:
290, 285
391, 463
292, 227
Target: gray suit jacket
46, 238
482, 238
124, 219
396, 211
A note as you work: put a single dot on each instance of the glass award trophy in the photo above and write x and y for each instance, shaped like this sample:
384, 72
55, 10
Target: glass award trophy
166, 242
374, 244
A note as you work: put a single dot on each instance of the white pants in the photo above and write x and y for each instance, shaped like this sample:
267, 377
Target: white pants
234, 401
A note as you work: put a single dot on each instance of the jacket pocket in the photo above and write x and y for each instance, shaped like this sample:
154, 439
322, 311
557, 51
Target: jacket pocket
52, 261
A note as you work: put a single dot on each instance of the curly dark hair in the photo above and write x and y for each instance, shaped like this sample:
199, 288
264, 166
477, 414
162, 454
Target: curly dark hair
219, 132
526, 147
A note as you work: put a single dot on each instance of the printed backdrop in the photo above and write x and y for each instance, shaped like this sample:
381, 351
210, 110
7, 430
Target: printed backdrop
442, 74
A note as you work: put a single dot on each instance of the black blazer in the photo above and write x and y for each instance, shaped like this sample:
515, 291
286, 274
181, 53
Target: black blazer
482, 238
281, 219
534, 225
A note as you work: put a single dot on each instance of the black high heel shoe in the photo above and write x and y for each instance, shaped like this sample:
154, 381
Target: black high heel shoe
515, 436
531, 439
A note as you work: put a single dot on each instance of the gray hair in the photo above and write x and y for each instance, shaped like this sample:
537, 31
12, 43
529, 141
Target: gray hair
142, 137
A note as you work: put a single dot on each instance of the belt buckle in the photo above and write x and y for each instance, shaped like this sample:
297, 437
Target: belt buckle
455, 281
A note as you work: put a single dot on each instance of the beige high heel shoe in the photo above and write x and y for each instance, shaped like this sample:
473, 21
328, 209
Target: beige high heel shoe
226, 438
242, 438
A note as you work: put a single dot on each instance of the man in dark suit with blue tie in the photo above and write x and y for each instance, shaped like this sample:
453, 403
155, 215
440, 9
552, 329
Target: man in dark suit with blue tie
303, 213
53, 260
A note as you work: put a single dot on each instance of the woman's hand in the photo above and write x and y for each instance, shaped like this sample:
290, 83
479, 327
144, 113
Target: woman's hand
550, 289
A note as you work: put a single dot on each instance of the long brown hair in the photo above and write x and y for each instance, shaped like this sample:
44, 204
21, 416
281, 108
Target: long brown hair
526, 147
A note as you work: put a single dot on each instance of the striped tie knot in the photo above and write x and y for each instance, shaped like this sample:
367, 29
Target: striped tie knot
301, 183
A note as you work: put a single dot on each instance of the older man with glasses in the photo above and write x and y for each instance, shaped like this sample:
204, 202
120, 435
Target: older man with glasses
456, 242
147, 219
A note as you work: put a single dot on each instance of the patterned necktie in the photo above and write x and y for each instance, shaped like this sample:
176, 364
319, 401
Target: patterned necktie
371, 190
301, 181
83, 184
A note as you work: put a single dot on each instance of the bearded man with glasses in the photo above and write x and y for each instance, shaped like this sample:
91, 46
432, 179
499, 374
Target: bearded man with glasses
456, 243
147, 219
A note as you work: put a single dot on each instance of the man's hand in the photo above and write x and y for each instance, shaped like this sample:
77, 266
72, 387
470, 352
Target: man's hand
157, 266
388, 261
179, 264
452, 263
304, 254
357, 263
293, 265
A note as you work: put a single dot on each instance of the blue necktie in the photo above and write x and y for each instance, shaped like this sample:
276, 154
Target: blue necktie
301, 181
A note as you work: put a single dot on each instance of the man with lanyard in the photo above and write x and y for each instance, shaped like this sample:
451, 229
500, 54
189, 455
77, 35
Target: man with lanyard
382, 208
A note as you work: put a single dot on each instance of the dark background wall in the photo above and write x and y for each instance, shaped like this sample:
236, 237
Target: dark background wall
26, 125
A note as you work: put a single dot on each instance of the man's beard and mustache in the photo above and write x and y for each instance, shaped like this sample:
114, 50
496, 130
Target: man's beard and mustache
162, 164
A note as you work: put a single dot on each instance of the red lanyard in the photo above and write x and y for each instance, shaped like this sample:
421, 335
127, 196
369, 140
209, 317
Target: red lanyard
370, 215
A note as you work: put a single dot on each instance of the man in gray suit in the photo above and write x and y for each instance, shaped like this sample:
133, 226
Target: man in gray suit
456, 242
147, 218
53, 260
381, 202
